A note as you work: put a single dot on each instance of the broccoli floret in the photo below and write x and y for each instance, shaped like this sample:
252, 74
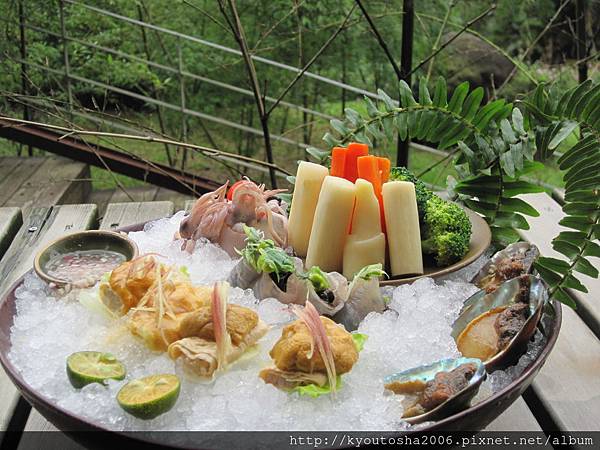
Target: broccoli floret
446, 231
422, 192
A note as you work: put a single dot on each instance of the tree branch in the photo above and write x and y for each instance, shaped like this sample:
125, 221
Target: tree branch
207, 14
438, 38
379, 38
238, 32
449, 41
310, 63
533, 43
270, 30
211, 152
507, 55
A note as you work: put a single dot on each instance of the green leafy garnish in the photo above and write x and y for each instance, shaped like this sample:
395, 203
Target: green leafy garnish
359, 340
368, 272
264, 256
274, 260
185, 271
253, 236
255, 242
314, 391
318, 279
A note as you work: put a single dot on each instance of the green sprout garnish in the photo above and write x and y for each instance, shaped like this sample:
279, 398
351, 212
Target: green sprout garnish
318, 278
368, 272
255, 243
275, 260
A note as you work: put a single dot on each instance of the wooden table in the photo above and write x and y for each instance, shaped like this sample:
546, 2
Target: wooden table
564, 396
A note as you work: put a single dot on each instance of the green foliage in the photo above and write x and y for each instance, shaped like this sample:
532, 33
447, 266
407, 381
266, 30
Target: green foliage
495, 145
557, 118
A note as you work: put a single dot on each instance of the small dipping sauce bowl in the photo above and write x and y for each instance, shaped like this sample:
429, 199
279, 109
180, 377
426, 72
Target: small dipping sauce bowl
98, 248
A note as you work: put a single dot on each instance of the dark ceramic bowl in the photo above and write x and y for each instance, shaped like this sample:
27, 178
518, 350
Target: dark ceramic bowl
82, 240
475, 418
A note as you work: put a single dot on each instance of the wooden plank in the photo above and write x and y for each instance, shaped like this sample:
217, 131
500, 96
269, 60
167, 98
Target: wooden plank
138, 194
7, 165
100, 198
188, 205
37, 422
568, 386
19, 174
56, 180
518, 417
36, 436
179, 200
10, 222
543, 229
121, 214
43, 225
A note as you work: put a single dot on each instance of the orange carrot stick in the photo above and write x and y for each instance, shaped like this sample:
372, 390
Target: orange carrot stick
338, 162
355, 150
384, 166
368, 169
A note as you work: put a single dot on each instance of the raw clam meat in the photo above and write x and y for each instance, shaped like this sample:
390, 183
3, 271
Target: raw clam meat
437, 390
496, 326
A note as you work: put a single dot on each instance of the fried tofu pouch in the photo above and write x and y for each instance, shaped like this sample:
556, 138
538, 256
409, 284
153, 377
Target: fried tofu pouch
129, 282
179, 299
198, 349
298, 364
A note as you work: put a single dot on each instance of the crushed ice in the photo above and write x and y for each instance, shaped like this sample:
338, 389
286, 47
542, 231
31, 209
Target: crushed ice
414, 331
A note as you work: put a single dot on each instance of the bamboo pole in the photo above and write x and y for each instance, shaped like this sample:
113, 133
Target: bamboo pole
63, 32
24, 84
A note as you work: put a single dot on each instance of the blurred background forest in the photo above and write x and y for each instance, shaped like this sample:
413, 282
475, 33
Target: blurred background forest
94, 65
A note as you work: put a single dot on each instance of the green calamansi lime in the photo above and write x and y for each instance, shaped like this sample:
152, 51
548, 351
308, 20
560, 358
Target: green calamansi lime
149, 397
93, 367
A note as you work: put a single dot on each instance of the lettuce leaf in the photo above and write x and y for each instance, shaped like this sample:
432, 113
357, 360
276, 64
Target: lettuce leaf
314, 391
359, 340
185, 271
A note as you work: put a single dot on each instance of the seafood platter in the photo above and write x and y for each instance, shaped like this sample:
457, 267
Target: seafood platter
253, 312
